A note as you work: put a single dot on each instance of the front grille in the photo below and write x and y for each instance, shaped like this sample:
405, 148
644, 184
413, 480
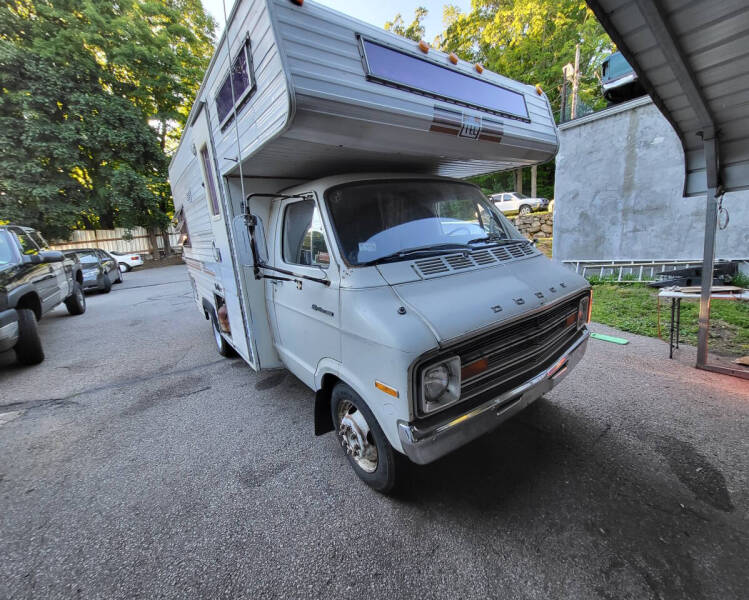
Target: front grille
515, 353
518, 351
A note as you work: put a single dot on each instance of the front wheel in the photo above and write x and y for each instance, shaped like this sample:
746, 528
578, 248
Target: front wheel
107, 285
76, 302
28, 347
120, 277
367, 449
525, 210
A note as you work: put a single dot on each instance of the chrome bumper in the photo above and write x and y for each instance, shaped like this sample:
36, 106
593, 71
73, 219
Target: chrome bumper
424, 445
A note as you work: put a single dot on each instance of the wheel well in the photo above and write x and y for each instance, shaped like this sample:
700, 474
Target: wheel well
31, 301
323, 419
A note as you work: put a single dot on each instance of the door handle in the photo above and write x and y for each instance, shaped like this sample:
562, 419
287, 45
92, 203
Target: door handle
322, 310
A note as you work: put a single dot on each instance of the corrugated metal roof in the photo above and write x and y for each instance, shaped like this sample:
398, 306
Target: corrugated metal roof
692, 56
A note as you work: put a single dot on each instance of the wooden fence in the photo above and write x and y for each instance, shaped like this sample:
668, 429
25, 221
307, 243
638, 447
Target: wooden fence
113, 240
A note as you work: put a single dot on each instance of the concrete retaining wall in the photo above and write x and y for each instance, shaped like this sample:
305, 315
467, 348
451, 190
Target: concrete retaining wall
618, 192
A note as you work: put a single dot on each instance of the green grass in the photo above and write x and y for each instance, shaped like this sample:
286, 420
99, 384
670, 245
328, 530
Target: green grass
633, 307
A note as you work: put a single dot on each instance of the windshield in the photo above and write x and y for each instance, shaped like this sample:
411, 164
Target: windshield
379, 219
7, 255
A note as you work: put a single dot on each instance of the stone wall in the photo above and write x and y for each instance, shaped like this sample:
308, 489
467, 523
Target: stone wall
535, 225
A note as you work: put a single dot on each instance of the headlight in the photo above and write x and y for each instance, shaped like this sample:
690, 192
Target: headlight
583, 312
440, 385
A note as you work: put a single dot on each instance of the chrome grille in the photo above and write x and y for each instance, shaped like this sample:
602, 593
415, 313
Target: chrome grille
518, 350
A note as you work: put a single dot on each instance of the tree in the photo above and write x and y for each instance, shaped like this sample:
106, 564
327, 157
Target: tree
94, 95
414, 31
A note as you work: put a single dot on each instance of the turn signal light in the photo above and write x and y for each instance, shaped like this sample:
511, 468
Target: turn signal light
590, 305
423, 46
474, 368
479, 68
539, 91
453, 58
391, 391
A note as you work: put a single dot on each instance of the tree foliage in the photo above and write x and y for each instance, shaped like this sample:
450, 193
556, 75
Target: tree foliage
414, 31
93, 96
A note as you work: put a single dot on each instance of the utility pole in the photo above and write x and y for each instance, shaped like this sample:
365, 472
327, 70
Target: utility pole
563, 104
575, 82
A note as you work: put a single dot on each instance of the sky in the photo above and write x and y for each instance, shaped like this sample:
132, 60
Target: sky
376, 12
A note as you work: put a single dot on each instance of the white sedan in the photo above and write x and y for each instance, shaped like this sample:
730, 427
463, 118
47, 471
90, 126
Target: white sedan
127, 260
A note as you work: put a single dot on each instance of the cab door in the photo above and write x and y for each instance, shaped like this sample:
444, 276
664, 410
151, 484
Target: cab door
306, 315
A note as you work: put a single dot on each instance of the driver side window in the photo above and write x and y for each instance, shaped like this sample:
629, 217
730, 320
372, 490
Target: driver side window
303, 238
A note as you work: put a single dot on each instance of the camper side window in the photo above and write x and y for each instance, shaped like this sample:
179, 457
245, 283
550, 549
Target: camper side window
241, 79
303, 238
210, 186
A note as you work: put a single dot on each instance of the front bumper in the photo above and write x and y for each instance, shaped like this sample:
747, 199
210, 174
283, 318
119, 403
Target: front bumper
423, 445
8, 329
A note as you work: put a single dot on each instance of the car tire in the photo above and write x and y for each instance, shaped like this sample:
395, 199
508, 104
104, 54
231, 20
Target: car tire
224, 348
76, 302
119, 276
124, 267
28, 348
107, 285
525, 210
379, 470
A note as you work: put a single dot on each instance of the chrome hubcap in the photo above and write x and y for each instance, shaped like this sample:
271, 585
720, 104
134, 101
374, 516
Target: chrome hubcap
356, 437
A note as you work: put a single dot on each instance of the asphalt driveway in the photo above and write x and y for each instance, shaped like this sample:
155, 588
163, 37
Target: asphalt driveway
136, 462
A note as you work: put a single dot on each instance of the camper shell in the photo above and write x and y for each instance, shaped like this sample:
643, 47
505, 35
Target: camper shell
318, 101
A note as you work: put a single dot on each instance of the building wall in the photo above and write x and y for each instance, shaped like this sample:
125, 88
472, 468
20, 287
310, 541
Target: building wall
618, 192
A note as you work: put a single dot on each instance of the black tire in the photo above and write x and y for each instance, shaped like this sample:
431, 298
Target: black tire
107, 285
76, 302
525, 210
224, 348
28, 348
124, 267
384, 478
119, 276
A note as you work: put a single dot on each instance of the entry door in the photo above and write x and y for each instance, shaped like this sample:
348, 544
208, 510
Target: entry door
307, 316
219, 217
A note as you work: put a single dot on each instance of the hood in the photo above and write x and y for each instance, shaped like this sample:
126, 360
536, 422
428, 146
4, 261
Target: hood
456, 304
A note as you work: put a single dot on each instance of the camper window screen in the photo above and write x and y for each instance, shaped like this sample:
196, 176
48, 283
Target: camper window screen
427, 78
243, 80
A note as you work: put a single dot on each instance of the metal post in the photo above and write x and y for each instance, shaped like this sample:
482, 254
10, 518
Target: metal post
534, 177
708, 259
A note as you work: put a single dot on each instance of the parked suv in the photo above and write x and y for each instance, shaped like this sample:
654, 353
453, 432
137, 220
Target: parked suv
33, 281
509, 202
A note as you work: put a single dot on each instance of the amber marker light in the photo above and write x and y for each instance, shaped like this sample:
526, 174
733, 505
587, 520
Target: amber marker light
474, 368
539, 91
453, 58
590, 305
423, 46
479, 68
386, 388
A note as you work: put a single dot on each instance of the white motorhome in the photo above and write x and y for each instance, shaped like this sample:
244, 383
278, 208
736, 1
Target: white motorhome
327, 231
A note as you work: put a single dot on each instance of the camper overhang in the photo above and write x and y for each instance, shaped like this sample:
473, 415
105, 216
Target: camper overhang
691, 57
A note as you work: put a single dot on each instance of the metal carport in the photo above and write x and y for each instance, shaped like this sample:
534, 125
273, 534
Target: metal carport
692, 56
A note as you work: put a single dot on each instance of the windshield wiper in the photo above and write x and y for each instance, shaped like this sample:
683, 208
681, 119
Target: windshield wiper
431, 250
490, 237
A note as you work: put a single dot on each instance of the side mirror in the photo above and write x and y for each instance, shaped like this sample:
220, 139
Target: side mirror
50, 256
